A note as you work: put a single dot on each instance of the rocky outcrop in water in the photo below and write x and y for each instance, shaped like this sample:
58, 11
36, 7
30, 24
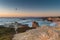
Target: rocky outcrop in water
35, 24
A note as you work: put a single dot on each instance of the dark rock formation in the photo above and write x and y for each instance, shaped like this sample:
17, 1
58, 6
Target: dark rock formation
23, 28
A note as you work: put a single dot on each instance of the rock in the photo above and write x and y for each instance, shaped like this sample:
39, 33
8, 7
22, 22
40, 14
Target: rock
38, 34
35, 24
23, 28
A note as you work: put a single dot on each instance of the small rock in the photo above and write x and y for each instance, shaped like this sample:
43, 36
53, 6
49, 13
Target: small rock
35, 24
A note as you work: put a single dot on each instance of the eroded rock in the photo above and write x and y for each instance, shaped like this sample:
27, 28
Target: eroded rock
38, 34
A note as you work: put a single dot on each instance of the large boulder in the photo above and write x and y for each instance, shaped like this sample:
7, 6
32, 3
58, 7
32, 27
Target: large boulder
38, 34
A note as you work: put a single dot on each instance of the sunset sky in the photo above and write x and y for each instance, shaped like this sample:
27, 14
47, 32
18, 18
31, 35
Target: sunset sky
29, 8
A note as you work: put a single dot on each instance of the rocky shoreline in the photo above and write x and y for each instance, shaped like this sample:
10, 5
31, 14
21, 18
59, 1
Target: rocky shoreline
18, 31
40, 33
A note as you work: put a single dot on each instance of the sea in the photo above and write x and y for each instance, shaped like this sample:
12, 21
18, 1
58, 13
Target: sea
27, 21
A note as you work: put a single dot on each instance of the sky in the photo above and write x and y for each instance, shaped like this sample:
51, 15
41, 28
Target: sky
29, 8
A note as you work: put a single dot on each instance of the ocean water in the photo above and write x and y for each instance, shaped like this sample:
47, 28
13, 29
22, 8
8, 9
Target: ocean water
26, 21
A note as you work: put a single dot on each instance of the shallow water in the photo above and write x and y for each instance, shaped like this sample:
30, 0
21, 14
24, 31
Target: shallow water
26, 21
